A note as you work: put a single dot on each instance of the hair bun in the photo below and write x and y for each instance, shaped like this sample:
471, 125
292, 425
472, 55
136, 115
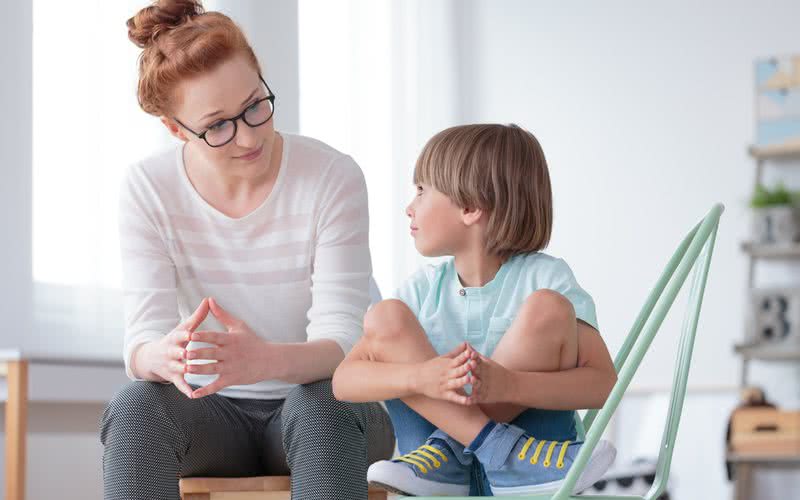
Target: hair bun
163, 15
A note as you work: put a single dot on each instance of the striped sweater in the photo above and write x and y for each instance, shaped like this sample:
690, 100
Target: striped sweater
295, 269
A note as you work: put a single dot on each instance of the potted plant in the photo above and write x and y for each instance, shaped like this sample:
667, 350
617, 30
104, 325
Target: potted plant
774, 216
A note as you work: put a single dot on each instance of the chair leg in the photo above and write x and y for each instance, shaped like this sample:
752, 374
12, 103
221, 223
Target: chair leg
741, 487
16, 428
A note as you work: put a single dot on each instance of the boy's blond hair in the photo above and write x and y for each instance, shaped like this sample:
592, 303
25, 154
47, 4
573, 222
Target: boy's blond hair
500, 169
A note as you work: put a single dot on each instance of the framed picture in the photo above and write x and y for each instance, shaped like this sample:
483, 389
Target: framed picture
778, 102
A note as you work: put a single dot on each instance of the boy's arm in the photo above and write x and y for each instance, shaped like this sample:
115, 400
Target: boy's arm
503, 392
586, 386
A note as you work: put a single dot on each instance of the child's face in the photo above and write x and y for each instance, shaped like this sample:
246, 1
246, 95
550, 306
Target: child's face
436, 223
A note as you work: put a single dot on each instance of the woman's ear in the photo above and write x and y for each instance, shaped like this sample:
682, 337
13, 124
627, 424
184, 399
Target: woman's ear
470, 216
174, 128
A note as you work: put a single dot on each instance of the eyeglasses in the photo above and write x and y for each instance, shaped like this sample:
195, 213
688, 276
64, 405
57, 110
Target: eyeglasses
223, 131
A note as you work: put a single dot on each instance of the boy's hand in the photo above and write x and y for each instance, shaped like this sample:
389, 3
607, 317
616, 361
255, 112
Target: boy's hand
491, 381
444, 377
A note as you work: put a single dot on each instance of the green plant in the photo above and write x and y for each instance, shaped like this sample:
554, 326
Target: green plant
763, 197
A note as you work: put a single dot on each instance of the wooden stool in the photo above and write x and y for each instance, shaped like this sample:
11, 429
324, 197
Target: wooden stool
245, 488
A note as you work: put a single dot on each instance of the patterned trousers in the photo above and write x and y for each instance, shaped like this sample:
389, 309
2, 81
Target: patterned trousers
153, 435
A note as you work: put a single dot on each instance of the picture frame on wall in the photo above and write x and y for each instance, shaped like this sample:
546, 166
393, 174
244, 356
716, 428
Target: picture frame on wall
778, 103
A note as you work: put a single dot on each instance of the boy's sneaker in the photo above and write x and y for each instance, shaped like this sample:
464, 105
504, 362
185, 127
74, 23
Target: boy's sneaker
437, 468
517, 464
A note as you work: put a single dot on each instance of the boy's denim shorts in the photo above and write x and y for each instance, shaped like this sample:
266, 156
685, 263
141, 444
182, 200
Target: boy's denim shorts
412, 430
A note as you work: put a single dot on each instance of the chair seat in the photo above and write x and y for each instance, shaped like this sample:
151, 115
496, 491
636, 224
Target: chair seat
246, 488
278, 488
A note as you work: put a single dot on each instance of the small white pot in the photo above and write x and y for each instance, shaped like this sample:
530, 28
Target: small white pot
778, 224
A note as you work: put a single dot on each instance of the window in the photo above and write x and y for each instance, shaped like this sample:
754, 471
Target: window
87, 129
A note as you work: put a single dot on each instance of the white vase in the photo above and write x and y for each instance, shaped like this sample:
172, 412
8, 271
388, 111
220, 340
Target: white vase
777, 224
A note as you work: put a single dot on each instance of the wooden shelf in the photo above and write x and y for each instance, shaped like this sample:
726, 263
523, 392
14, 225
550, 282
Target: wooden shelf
778, 352
772, 250
762, 458
783, 151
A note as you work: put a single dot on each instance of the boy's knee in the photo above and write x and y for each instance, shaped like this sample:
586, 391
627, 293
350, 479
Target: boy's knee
387, 318
547, 311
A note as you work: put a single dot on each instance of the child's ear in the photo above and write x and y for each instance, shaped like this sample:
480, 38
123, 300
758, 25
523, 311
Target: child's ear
470, 216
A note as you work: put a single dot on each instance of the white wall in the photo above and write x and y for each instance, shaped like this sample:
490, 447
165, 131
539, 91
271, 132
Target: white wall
644, 112
271, 28
15, 172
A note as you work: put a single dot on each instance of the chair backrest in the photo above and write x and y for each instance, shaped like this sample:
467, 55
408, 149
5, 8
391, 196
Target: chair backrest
694, 252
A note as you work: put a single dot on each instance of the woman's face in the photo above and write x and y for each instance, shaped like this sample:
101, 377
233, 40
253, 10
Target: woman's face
200, 104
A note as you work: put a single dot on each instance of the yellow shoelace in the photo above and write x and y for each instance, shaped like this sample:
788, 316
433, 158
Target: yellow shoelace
423, 458
548, 456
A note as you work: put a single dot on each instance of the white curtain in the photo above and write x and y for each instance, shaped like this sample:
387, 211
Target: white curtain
377, 79
87, 128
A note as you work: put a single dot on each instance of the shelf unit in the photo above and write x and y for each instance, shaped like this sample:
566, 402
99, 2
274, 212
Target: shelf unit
746, 462
775, 152
761, 458
774, 251
768, 353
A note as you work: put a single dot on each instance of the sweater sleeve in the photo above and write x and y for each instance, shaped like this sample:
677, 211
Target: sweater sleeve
341, 263
149, 284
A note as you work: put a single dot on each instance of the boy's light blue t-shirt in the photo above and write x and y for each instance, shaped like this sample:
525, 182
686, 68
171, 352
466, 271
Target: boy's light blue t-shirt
451, 313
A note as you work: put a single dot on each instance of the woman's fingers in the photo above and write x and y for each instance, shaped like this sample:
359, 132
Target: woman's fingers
182, 386
176, 367
177, 352
218, 338
180, 337
211, 388
197, 316
214, 353
205, 369
227, 319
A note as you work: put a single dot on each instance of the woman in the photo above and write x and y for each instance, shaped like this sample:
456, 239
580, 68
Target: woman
246, 247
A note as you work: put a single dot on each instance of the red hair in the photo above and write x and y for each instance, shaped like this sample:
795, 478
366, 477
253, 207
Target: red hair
181, 40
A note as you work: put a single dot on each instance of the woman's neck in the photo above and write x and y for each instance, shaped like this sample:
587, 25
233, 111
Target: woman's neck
234, 193
475, 267
243, 182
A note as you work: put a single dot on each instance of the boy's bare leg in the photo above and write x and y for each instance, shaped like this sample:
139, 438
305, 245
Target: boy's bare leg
393, 334
543, 337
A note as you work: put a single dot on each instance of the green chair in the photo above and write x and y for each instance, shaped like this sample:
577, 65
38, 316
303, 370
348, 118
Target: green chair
694, 252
